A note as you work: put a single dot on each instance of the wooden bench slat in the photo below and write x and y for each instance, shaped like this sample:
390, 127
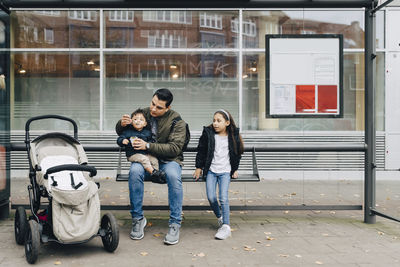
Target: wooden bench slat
189, 178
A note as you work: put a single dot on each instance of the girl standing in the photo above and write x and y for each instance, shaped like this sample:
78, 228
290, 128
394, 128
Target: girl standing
218, 156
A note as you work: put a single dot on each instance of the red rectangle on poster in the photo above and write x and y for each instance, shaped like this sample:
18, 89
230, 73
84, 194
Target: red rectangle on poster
327, 99
305, 98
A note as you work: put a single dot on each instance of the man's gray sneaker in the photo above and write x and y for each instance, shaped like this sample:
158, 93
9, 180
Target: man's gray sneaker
172, 237
138, 228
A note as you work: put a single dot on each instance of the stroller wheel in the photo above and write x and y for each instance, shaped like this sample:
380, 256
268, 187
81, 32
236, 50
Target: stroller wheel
32, 242
20, 225
110, 227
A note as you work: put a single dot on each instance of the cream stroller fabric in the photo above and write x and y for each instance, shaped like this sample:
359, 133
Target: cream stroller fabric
75, 211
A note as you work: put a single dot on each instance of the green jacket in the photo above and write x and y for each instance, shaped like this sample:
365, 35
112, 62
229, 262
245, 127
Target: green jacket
169, 144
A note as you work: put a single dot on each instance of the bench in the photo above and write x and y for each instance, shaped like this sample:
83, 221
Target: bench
244, 174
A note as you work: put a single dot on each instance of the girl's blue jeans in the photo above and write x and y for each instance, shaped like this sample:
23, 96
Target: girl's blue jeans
223, 180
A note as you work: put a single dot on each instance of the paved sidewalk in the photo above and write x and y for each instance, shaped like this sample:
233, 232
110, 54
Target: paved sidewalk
267, 238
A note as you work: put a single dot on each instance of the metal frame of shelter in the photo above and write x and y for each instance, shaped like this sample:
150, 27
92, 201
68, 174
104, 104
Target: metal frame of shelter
369, 146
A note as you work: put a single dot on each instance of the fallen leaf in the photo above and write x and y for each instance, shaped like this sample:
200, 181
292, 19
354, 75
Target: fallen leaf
247, 247
209, 211
233, 229
298, 256
325, 234
157, 235
144, 253
149, 224
294, 193
258, 241
286, 212
332, 212
267, 233
381, 233
283, 255
201, 254
268, 245
319, 262
57, 263
270, 238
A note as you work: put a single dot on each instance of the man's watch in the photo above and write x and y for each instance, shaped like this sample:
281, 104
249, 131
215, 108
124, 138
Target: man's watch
147, 146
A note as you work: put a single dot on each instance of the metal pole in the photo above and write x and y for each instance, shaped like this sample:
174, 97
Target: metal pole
370, 165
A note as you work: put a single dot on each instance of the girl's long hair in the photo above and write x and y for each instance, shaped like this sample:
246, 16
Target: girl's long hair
231, 128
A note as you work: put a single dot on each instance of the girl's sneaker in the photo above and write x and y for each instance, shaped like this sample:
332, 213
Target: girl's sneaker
223, 232
220, 222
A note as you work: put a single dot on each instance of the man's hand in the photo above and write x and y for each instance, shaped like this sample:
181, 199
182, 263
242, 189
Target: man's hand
125, 141
125, 120
139, 144
196, 174
235, 175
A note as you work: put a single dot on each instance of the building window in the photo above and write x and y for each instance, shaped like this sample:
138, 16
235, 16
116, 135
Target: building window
53, 13
49, 36
82, 15
120, 15
249, 27
182, 17
165, 40
35, 34
212, 21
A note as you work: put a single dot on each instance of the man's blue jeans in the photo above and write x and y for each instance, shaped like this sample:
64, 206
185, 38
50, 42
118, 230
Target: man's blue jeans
137, 175
223, 180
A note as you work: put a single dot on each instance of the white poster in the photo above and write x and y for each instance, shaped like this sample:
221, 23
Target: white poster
283, 97
304, 75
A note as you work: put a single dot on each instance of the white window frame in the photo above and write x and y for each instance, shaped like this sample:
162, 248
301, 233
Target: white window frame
49, 35
85, 15
121, 15
52, 13
211, 21
174, 16
249, 27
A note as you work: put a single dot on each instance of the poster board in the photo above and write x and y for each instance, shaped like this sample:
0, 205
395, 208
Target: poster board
304, 75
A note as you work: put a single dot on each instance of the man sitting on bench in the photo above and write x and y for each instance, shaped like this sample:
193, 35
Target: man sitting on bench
168, 149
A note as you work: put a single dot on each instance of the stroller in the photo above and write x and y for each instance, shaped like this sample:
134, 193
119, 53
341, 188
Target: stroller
58, 171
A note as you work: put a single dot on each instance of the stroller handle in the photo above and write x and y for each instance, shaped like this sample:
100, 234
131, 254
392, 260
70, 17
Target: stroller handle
71, 167
27, 124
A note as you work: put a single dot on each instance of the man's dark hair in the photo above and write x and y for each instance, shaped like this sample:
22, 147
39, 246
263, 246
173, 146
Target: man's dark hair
165, 95
138, 111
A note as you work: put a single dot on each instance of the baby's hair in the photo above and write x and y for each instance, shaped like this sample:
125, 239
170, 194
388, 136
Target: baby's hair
139, 111
231, 130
